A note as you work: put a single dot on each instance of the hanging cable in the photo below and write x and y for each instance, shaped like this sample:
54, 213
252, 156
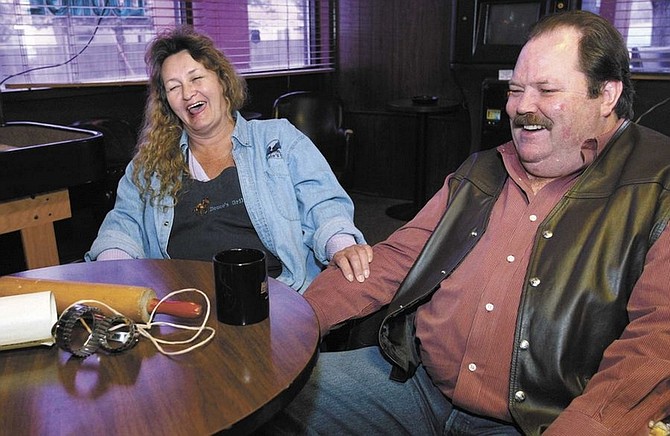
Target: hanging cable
45, 67
651, 109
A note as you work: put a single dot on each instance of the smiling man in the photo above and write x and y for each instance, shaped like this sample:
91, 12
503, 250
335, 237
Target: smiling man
532, 293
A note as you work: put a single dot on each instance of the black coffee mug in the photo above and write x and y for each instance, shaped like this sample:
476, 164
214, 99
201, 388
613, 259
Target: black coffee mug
241, 281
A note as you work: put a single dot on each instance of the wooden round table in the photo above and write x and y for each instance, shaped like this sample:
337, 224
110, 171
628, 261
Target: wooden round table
232, 385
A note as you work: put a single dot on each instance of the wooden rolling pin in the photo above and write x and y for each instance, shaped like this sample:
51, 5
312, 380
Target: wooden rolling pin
135, 302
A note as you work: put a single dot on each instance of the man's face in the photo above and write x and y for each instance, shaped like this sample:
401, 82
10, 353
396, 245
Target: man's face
550, 112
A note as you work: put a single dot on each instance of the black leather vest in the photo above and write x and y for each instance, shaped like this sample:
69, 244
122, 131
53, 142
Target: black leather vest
587, 256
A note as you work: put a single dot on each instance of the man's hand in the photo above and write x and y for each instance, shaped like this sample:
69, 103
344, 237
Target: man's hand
354, 261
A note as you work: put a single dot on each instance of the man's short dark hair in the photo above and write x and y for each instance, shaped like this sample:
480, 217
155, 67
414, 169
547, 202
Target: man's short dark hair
603, 55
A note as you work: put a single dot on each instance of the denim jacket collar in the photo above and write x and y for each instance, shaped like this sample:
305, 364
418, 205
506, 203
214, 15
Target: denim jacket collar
240, 134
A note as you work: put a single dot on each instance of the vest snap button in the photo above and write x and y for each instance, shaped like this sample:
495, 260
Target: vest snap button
534, 282
519, 396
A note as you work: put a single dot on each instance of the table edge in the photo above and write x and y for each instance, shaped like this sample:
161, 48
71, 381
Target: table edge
260, 417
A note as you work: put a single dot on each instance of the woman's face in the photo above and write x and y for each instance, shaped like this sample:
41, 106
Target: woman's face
195, 95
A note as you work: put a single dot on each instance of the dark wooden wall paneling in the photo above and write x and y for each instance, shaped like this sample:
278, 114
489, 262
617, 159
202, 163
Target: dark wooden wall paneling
385, 151
389, 50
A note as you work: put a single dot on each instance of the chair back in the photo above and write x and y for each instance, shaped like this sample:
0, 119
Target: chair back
315, 115
119, 139
320, 118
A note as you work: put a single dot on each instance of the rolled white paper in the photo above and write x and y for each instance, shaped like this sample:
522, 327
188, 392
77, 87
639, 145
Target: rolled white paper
26, 320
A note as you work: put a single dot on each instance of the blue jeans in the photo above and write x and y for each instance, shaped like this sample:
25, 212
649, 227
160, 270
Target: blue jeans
350, 393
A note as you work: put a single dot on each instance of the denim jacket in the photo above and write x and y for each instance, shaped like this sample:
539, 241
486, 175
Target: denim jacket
293, 199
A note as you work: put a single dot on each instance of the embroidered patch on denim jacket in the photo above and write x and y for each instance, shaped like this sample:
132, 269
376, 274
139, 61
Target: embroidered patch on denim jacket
274, 151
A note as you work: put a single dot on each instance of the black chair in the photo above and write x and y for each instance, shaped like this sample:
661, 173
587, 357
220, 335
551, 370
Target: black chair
119, 140
320, 118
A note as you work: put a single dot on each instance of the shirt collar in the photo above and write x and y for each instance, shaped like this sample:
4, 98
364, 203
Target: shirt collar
594, 146
239, 133
590, 149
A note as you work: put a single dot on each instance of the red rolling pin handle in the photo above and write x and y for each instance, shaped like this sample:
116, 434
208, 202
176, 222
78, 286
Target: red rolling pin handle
181, 309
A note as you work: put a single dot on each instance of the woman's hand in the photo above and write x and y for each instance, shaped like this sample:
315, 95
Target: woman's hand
354, 261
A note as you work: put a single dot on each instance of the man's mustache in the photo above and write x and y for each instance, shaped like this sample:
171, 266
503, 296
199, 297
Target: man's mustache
532, 120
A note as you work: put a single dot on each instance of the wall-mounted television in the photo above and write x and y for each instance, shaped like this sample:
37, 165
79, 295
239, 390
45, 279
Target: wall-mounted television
493, 31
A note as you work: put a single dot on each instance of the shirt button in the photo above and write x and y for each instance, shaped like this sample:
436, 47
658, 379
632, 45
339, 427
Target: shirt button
524, 344
166, 223
547, 234
510, 258
472, 367
533, 218
534, 282
489, 307
519, 396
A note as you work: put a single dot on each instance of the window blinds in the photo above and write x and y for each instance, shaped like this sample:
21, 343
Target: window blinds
272, 36
645, 26
56, 42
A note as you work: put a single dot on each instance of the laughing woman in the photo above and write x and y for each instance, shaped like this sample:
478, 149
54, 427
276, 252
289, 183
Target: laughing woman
205, 179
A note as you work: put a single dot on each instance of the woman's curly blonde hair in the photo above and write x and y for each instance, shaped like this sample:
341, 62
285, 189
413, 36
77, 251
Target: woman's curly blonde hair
158, 151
